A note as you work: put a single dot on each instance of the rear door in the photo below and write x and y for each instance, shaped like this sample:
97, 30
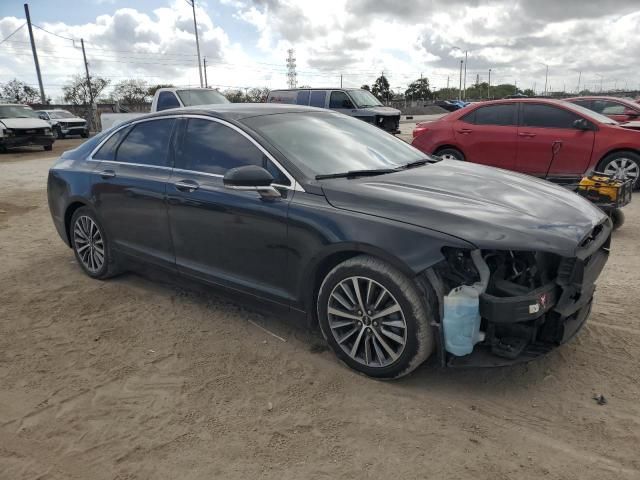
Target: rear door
130, 189
549, 144
489, 135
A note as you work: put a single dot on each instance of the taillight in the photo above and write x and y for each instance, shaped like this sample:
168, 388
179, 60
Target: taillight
419, 129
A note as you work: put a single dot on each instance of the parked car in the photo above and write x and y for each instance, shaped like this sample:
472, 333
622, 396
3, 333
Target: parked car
618, 109
448, 105
332, 221
354, 102
546, 138
65, 123
20, 127
165, 99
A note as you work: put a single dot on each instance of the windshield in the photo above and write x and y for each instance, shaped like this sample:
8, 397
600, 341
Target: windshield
61, 114
17, 111
328, 143
364, 99
591, 115
201, 96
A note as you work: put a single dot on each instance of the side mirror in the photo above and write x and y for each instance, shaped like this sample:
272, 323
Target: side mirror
630, 112
581, 124
251, 178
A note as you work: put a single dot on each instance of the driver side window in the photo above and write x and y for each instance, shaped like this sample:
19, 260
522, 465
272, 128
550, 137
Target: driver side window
340, 100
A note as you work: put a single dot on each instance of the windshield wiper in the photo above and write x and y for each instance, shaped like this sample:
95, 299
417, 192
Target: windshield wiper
357, 173
417, 163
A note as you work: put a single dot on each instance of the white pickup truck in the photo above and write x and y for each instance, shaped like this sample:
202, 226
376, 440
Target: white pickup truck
166, 98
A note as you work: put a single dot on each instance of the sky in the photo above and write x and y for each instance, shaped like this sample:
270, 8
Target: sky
245, 42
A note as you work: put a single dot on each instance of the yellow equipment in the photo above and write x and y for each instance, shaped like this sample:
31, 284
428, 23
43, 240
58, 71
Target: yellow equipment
606, 191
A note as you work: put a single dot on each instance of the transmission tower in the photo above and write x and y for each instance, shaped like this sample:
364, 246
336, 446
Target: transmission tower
291, 69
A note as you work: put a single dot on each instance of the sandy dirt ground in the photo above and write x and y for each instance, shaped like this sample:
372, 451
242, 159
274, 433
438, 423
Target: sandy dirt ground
133, 379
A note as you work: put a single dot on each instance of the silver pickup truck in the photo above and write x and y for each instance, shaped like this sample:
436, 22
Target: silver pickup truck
354, 102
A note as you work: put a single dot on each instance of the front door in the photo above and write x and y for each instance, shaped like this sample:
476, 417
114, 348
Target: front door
489, 135
129, 189
232, 238
548, 143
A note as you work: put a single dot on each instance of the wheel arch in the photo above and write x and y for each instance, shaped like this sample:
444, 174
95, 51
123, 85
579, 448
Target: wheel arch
449, 145
68, 215
618, 150
329, 259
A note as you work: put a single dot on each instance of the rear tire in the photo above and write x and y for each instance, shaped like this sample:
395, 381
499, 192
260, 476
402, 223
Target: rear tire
617, 218
626, 162
91, 245
450, 154
48, 148
84, 135
375, 318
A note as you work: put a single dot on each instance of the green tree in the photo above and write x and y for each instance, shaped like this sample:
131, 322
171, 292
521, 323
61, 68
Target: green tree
75, 91
20, 92
418, 89
446, 94
131, 92
235, 96
529, 92
381, 88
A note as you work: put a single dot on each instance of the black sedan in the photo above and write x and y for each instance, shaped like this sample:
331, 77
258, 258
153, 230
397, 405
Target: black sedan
336, 223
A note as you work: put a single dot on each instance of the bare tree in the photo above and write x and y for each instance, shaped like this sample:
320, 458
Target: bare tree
76, 90
20, 92
131, 92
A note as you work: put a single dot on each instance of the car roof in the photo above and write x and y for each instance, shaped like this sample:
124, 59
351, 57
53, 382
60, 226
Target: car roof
238, 111
315, 88
601, 97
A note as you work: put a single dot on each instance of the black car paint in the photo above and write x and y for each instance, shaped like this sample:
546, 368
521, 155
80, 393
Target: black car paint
274, 249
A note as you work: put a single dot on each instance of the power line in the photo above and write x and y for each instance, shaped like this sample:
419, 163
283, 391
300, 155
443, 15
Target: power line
12, 34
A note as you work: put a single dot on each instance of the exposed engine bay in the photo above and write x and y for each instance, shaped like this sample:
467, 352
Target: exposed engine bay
530, 302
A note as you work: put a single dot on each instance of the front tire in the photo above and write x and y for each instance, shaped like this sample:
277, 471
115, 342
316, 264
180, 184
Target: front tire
90, 245
48, 148
374, 318
622, 163
59, 134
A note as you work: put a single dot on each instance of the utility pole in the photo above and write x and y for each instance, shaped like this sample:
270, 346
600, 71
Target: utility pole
546, 78
447, 82
206, 83
35, 54
579, 78
195, 28
340, 80
466, 52
86, 69
489, 87
460, 91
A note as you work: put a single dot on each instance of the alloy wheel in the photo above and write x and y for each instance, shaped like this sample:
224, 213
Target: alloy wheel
88, 243
624, 167
367, 322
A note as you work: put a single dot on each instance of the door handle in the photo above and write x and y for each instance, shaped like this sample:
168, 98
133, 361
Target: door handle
107, 174
527, 134
465, 131
186, 185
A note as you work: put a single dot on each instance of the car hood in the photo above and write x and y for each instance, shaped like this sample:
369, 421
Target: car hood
67, 120
633, 125
383, 110
24, 123
488, 207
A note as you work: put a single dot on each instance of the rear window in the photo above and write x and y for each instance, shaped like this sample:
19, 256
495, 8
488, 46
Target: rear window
303, 97
283, 96
108, 149
503, 114
147, 143
318, 98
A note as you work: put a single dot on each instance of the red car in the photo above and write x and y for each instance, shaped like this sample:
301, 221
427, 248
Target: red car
552, 139
618, 109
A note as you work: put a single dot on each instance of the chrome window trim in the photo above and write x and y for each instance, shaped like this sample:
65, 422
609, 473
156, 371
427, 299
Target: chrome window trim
295, 185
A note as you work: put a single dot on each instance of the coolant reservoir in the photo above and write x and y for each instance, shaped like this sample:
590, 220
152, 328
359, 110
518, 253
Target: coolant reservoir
462, 320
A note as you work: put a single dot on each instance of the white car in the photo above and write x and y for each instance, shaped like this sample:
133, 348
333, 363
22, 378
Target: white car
20, 126
65, 123
166, 98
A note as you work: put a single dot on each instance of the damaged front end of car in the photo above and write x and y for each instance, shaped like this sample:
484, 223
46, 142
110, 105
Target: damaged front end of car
532, 302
